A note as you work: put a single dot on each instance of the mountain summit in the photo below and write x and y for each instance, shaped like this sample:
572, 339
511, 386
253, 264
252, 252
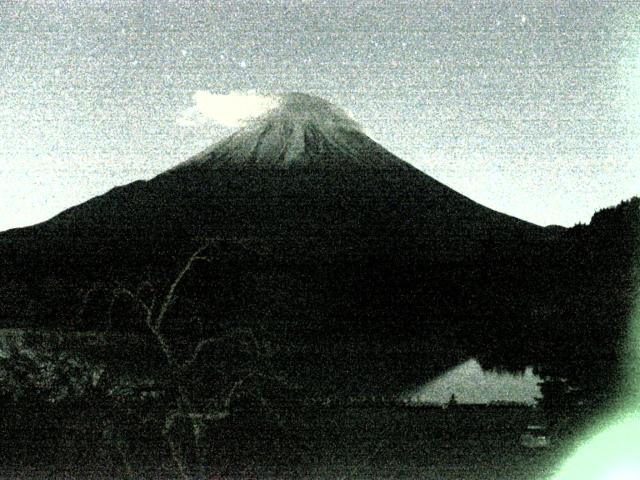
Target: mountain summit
300, 131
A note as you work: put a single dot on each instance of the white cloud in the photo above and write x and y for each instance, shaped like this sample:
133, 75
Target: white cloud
233, 109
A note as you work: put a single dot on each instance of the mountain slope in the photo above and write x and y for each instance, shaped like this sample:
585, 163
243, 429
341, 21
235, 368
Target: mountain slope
304, 166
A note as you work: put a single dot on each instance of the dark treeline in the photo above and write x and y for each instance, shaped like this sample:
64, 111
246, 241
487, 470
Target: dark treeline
577, 335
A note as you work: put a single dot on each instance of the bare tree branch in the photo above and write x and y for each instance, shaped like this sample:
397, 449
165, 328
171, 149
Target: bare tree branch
234, 389
173, 447
168, 299
156, 309
122, 291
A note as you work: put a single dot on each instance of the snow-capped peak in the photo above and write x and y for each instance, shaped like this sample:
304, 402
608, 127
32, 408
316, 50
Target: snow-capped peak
300, 130
303, 109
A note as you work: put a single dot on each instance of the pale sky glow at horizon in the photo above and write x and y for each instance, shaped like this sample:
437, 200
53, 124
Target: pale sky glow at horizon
531, 108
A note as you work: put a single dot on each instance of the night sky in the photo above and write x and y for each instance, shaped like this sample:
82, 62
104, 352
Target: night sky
531, 108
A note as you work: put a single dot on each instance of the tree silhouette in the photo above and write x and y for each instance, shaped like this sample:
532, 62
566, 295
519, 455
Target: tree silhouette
584, 348
181, 380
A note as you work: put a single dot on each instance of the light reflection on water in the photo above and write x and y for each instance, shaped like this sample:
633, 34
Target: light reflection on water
470, 383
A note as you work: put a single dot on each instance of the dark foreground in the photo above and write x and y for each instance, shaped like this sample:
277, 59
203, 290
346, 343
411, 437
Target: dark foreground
317, 442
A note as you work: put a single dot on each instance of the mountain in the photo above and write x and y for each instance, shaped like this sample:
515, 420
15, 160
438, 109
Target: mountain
363, 269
